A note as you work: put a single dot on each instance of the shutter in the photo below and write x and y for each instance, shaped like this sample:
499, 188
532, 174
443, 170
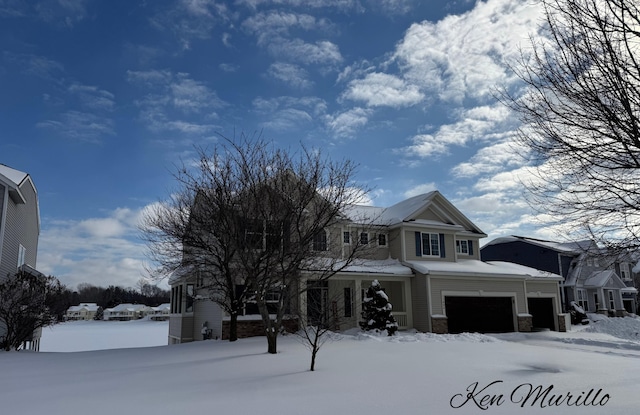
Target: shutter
470, 242
442, 253
418, 244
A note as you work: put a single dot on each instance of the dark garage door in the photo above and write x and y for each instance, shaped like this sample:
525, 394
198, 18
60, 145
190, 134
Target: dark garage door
479, 314
542, 311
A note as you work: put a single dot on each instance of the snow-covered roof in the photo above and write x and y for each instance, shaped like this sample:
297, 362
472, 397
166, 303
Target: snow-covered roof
127, 307
474, 267
84, 306
162, 307
606, 278
563, 247
386, 266
13, 177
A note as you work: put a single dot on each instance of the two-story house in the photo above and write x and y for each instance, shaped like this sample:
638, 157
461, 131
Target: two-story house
596, 281
425, 254
84, 311
19, 229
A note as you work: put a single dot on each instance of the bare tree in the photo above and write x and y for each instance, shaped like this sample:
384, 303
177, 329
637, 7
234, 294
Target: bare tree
248, 216
580, 116
27, 304
318, 322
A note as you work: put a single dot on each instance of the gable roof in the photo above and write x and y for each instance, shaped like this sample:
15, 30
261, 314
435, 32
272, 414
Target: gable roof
409, 210
84, 306
14, 179
600, 279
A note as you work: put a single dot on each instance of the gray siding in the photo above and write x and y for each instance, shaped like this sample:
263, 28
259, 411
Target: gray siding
486, 285
210, 312
21, 227
420, 303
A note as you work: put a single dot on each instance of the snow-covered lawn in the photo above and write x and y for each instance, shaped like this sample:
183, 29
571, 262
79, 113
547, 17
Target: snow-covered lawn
411, 373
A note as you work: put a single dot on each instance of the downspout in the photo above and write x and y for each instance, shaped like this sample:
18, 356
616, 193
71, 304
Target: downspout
563, 298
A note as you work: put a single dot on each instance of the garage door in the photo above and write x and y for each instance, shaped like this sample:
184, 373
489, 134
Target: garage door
479, 314
542, 311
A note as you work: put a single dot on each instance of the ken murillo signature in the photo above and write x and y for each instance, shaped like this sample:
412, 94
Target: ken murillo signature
526, 394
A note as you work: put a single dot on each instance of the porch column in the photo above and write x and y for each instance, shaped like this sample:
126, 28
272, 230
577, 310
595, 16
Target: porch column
408, 305
358, 299
601, 307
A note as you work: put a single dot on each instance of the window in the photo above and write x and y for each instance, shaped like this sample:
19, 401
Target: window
382, 239
462, 247
346, 238
190, 297
430, 244
624, 271
260, 234
22, 253
364, 238
176, 299
612, 303
348, 302
320, 241
581, 296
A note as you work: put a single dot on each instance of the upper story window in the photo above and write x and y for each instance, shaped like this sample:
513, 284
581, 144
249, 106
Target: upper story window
430, 244
624, 271
462, 247
364, 238
346, 237
382, 239
261, 234
22, 255
320, 241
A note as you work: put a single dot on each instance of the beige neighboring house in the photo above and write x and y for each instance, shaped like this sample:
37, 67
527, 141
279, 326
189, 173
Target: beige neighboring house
19, 231
426, 257
84, 311
126, 312
160, 312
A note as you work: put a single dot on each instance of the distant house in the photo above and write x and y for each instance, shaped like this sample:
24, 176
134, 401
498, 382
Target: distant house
126, 312
598, 282
84, 311
160, 312
426, 257
19, 229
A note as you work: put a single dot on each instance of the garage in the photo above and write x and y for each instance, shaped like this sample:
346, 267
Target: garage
479, 314
542, 311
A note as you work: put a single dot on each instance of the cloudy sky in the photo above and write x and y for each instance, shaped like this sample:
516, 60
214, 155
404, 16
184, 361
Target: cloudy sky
99, 100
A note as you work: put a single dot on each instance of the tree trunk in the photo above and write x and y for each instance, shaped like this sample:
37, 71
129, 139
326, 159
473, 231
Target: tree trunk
233, 327
272, 342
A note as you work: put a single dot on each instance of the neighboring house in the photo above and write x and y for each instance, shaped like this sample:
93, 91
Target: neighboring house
425, 256
85, 311
126, 312
19, 229
160, 312
598, 282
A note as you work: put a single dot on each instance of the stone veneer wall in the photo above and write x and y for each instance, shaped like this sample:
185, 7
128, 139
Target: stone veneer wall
439, 325
525, 322
252, 328
564, 322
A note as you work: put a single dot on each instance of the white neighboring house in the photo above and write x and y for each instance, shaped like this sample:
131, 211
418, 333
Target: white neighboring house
126, 312
84, 311
160, 312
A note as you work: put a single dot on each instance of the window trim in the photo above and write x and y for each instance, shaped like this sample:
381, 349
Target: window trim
612, 301
384, 237
346, 238
366, 234
461, 246
320, 243
581, 297
431, 240
22, 255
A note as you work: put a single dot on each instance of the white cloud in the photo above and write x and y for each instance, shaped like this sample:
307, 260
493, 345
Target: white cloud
464, 55
321, 52
100, 251
288, 113
345, 124
292, 75
79, 125
91, 97
420, 189
381, 89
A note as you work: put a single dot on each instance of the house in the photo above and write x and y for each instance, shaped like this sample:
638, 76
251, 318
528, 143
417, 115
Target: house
85, 311
597, 281
19, 229
126, 312
425, 254
160, 312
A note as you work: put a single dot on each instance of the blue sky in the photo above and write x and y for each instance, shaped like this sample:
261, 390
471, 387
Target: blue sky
99, 100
